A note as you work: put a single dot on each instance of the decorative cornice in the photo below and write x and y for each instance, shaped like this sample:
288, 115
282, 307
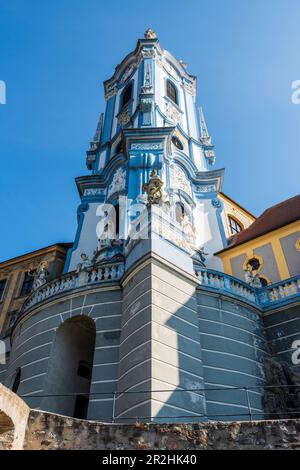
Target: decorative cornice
148, 48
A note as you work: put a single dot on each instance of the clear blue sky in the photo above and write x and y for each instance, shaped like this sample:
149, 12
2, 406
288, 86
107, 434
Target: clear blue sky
55, 54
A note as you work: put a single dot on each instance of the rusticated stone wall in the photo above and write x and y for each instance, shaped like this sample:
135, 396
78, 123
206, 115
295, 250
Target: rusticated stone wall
47, 431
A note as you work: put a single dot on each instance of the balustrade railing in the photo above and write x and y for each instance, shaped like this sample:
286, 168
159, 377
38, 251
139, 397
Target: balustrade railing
264, 297
279, 292
74, 280
229, 284
275, 293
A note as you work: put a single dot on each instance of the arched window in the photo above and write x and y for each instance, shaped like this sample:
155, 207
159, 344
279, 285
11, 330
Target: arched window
179, 212
264, 282
172, 92
117, 221
254, 264
235, 226
27, 285
177, 143
17, 380
119, 147
126, 97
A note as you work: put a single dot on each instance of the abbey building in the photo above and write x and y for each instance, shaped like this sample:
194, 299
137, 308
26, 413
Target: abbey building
175, 303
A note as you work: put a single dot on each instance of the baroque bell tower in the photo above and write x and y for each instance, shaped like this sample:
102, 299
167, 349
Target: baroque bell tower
151, 122
151, 202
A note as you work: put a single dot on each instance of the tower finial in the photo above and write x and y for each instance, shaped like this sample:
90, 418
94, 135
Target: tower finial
150, 34
204, 135
205, 140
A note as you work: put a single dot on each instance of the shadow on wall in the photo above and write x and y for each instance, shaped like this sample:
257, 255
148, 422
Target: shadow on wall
222, 347
70, 368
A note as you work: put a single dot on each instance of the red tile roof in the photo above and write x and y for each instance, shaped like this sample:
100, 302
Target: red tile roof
271, 219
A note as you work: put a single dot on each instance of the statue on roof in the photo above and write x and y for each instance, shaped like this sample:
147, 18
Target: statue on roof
40, 275
154, 188
150, 34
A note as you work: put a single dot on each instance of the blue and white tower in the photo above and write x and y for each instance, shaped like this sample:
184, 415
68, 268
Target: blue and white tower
144, 323
151, 122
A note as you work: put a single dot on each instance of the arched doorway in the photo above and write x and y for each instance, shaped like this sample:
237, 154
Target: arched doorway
68, 381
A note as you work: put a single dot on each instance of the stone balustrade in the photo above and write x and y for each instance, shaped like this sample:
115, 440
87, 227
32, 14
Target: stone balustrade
280, 292
275, 293
74, 280
227, 284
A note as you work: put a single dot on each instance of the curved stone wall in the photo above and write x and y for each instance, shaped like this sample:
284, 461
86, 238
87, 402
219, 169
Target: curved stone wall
283, 333
234, 348
159, 337
34, 339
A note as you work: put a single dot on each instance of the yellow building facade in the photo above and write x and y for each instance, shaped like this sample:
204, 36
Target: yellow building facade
270, 245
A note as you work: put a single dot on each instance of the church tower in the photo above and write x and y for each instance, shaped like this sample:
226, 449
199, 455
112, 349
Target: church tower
151, 123
144, 324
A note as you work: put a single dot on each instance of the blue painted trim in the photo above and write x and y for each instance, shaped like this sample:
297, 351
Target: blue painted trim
82, 208
140, 84
220, 223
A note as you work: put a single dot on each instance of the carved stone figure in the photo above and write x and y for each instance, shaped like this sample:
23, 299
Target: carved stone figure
180, 180
84, 264
201, 255
188, 229
154, 188
150, 34
252, 279
118, 183
40, 275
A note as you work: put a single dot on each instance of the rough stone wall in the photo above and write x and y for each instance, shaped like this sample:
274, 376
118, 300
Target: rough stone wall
46, 431
14, 415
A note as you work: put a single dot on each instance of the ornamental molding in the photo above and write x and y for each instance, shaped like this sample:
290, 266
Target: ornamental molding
118, 182
128, 72
147, 54
208, 188
216, 203
172, 113
190, 87
147, 146
168, 233
124, 116
94, 192
169, 69
179, 179
111, 90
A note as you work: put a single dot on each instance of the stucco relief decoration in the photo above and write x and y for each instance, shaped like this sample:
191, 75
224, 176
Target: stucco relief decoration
146, 146
127, 73
110, 90
124, 116
170, 70
190, 87
179, 180
172, 113
216, 203
147, 54
118, 183
93, 192
209, 188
